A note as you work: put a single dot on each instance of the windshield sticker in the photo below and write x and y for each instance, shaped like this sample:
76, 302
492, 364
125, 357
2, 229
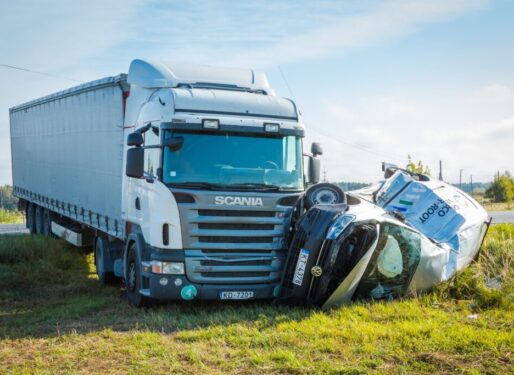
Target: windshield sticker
173, 173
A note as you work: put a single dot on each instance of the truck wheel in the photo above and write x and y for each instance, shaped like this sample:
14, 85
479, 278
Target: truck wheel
133, 279
105, 277
39, 219
30, 218
47, 222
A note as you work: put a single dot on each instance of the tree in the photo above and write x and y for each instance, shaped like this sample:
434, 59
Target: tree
502, 188
417, 168
7, 200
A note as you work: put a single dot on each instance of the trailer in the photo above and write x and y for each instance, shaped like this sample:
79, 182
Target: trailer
181, 178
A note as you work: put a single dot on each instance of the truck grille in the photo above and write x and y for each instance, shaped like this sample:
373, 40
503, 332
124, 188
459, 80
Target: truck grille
236, 213
233, 239
231, 226
226, 245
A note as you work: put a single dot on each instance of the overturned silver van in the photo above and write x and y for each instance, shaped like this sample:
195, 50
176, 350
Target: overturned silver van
386, 241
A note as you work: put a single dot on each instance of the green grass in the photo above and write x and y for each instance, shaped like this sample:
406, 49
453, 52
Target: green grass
11, 217
56, 318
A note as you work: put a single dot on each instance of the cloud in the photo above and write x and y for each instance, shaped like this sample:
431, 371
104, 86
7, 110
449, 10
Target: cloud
384, 21
495, 94
385, 128
88, 40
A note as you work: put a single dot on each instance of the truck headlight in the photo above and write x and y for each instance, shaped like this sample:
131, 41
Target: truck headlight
167, 268
339, 226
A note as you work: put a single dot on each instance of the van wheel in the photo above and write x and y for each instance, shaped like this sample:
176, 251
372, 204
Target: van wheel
47, 222
105, 277
133, 279
30, 218
39, 219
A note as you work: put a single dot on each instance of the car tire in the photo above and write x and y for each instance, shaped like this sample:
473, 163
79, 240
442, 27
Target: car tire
324, 193
105, 277
30, 219
39, 219
133, 279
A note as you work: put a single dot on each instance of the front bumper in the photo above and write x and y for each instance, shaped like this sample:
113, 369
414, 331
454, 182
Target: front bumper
173, 287
179, 287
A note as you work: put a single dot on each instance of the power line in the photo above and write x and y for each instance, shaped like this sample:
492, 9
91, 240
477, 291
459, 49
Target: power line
360, 147
285, 81
37, 72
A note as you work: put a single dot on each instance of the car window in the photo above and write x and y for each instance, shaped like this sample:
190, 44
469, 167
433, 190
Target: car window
392, 265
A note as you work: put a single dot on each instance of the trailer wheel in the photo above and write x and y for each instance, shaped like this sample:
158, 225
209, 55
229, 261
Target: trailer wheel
105, 277
47, 222
39, 219
133, 279
30, 218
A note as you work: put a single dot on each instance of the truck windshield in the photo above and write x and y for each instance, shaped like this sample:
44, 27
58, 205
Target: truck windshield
228, 159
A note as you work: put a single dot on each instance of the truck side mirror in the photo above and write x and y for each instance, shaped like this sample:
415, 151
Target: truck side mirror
135, 139
135, 162
174, 143
314, 170
316, 149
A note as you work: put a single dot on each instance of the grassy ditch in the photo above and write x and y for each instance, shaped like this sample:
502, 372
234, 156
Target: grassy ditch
56, 318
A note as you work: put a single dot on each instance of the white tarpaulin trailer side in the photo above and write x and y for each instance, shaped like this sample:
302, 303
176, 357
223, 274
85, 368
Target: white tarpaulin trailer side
67, 152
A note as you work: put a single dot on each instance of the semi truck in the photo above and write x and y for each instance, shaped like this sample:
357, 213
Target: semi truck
181, 178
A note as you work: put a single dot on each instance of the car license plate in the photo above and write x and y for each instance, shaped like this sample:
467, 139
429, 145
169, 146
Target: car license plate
237, 294
299, 272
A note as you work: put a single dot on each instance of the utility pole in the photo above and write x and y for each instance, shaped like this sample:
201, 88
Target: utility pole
471, 182
325, 175
440, 170
460, 178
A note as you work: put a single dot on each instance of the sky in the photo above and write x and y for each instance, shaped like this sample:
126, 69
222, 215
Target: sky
375, 80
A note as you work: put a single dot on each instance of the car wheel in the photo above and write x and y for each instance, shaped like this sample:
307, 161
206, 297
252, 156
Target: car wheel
324, 193
133, 279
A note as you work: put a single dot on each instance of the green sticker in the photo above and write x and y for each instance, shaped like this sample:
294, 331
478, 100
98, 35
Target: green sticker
276, 291
188, 292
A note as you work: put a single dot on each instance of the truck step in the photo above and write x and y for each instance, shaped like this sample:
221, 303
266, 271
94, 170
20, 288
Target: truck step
75, 238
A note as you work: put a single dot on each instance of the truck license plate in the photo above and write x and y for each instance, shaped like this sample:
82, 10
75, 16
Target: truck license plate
237, 294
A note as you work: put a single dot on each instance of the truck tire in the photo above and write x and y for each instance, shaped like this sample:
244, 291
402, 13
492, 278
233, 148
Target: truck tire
101, 249
30, 218
133, 279
47, 222
39, 219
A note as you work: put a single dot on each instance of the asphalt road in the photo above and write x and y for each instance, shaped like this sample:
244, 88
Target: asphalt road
502, 216
498, 217
13, 229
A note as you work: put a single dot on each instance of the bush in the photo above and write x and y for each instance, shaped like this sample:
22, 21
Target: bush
502, 188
